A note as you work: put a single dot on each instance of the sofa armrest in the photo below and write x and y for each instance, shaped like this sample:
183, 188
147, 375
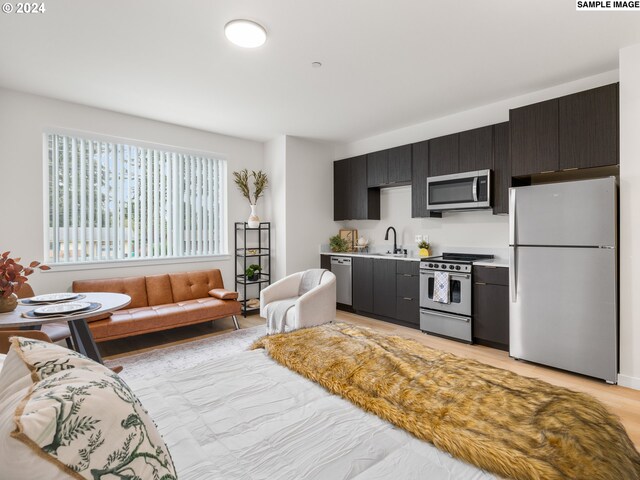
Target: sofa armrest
223, 294
318, 305
284, 288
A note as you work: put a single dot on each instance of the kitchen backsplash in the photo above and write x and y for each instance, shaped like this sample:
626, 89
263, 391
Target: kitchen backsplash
475, 230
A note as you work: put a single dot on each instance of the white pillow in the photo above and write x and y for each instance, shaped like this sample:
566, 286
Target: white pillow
2, 357
60, 408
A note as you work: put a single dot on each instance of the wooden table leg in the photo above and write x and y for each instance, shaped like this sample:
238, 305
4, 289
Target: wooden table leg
83, 339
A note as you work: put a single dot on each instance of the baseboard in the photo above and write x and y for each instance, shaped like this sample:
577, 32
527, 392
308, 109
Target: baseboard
628, 381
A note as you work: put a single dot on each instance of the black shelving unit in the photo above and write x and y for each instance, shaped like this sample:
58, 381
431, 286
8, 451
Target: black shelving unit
252, 245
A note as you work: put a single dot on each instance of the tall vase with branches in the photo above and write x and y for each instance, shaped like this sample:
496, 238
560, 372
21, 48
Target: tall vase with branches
260, 183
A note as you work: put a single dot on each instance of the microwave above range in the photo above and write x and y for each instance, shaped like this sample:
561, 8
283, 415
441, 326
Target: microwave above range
459, 191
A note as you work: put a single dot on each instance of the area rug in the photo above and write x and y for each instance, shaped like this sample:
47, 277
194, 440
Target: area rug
510, 425
185, 355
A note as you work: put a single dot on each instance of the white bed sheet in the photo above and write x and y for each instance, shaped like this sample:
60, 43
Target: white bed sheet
246, 417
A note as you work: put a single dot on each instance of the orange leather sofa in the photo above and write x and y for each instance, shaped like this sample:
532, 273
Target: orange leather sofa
160, 302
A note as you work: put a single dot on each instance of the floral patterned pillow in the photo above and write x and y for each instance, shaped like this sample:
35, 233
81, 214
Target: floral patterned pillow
83, 418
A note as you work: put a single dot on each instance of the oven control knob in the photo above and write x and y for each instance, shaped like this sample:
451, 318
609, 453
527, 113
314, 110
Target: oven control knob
450, 267
444, 267
431, 265
457, 267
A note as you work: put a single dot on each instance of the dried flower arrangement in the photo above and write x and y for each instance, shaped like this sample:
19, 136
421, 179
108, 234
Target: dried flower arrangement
260, 183
13, 275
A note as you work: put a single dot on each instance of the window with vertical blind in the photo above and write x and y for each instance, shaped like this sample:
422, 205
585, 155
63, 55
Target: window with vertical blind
114, 201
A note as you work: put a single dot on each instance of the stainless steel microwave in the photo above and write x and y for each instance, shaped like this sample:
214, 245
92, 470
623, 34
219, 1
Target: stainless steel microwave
459, 191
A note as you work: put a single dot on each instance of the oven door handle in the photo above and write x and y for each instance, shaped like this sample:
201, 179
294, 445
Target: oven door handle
453, 317
431, 272
475, 189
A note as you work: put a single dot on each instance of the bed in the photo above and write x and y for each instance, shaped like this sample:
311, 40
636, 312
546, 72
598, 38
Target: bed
247, 417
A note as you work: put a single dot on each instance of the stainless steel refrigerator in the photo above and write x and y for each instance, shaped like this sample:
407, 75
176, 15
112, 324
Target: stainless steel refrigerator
563, 276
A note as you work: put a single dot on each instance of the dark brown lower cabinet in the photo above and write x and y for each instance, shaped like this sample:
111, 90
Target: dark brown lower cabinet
491, 307
408, 292
362, 284
384, 287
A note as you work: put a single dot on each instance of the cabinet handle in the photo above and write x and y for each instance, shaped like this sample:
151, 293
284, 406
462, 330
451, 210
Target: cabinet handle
407, 275
407, 298
480, 283
547, 171
569, 169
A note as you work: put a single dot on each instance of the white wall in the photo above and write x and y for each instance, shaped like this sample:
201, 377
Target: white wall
629, 219
309, 202
301, 201
453, 230
275, 156
23, 118
464, 229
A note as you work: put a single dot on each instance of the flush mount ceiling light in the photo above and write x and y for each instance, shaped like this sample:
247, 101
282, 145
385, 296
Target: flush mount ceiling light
245, 33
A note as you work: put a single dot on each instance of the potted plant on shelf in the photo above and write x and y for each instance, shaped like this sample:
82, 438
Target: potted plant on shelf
253, 272
12, 276
260, 183
337, 244
424, 249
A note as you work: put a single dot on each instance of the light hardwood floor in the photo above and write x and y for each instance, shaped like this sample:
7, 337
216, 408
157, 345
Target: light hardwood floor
622, 401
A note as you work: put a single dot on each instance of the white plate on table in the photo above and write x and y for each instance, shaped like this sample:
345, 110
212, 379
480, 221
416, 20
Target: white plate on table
54, 297
62, 309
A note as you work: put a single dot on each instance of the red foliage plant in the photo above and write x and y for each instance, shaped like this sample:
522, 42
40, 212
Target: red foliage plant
13, 275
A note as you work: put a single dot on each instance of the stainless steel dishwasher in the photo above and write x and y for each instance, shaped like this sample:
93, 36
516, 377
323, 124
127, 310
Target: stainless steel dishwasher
341, 268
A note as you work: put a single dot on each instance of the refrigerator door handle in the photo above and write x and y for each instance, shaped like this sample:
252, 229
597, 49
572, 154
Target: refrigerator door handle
512, 216
513, 274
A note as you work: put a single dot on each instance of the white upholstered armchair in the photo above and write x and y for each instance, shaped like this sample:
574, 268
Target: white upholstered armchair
293, 303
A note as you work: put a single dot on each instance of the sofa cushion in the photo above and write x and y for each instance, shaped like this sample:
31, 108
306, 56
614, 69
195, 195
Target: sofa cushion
104, 432
192, 285
158, 290
134, 321
135, 287
223, 294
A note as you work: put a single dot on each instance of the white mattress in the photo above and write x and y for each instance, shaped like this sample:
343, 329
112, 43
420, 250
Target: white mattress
246, 417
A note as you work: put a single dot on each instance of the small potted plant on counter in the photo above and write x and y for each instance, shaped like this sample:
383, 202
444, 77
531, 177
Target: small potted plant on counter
253, 272
337, 244
424, 249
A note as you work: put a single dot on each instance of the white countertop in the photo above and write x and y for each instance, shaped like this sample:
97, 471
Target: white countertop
496, 262
411, 258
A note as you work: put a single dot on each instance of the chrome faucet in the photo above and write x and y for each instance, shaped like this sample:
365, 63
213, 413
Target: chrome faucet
395, 245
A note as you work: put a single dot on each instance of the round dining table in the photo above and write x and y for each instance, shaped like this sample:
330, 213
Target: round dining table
83, 340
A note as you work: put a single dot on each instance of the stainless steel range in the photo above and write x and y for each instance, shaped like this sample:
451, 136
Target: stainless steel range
448, 312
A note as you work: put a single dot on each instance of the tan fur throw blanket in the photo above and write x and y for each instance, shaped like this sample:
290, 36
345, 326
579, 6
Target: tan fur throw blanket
507, 424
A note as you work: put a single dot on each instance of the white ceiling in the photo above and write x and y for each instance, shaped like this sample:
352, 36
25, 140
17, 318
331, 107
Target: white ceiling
386, 63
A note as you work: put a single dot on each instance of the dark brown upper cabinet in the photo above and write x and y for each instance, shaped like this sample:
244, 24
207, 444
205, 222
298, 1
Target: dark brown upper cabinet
476, 149
533, 132
341, 192
419, 174
400, 165
444, 155
501, 168
389, 167
378, 168
589, 129
352, 200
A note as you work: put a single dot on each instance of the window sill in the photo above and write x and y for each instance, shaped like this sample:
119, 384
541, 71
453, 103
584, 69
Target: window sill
70, 267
